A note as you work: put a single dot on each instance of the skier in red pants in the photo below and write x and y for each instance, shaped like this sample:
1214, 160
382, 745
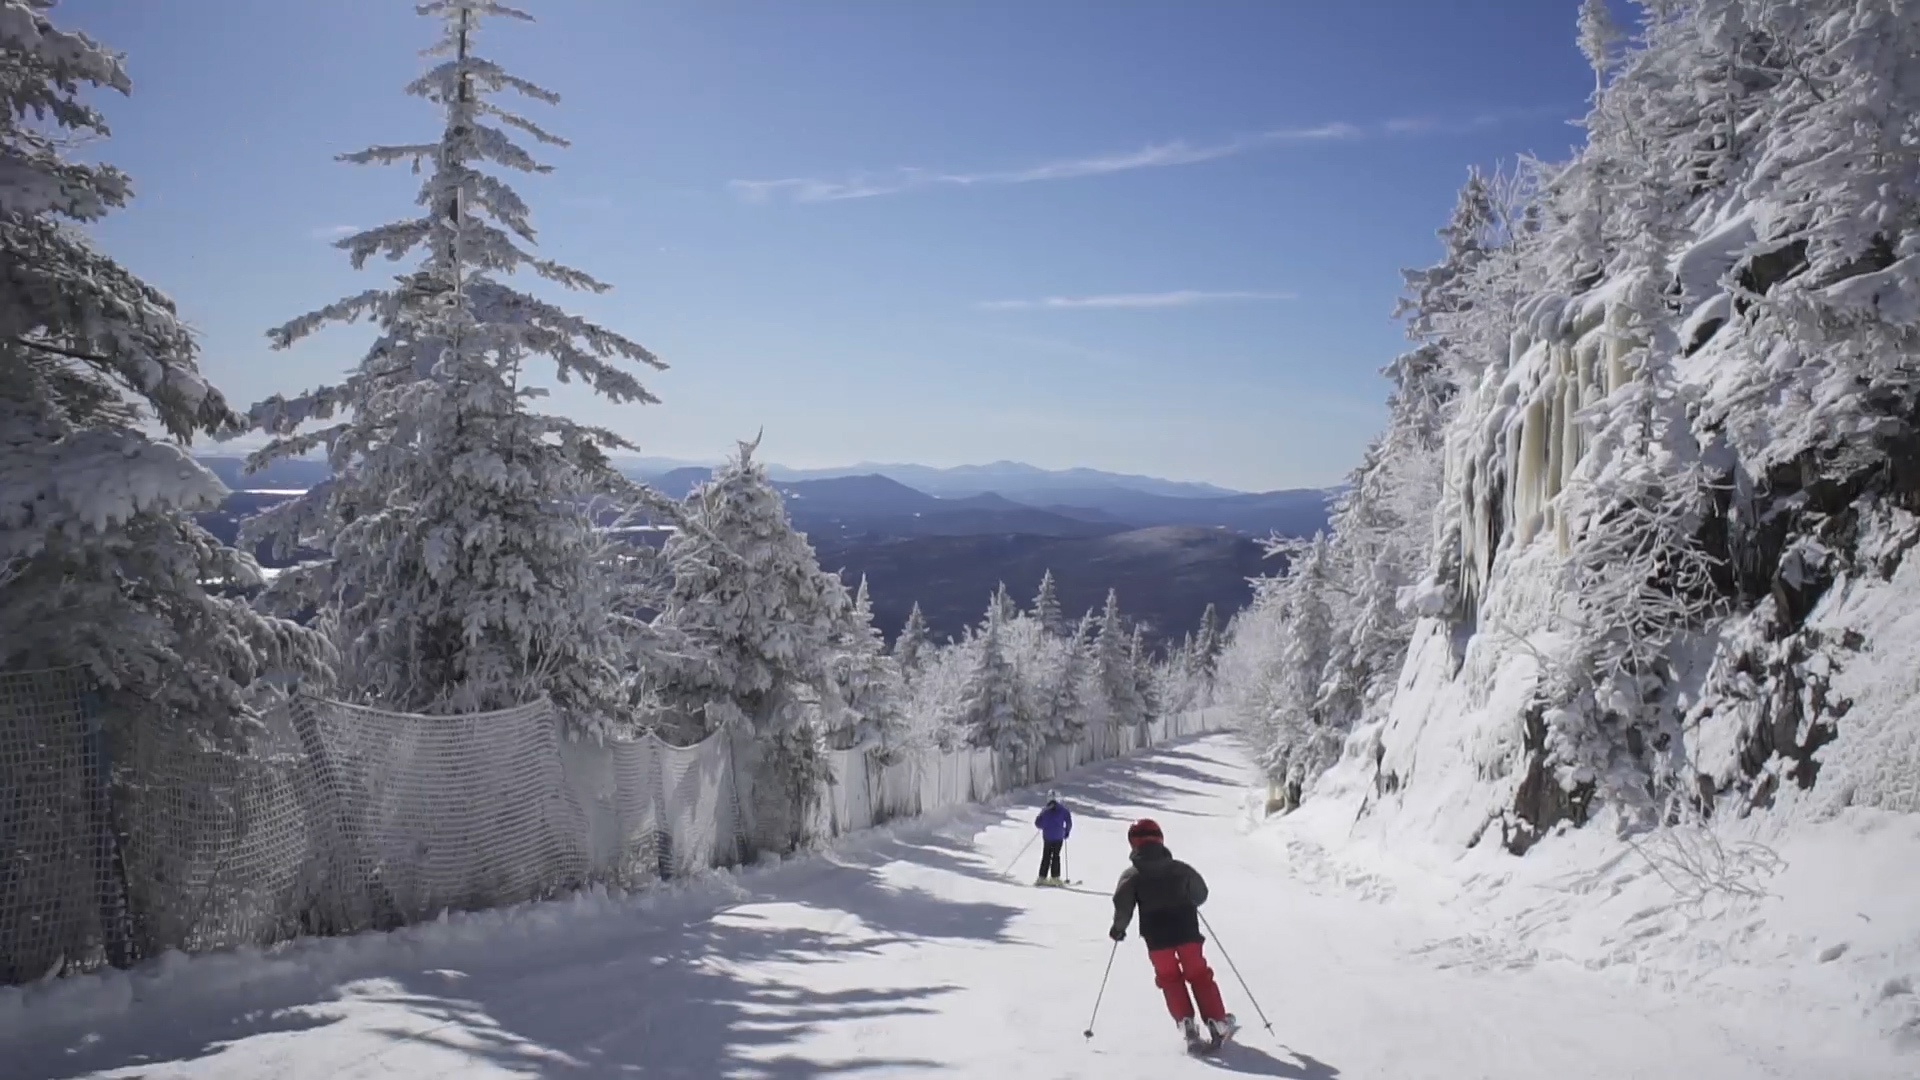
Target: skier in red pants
1169, 893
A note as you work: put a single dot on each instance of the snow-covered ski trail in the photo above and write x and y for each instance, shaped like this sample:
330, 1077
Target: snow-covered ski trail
906, 954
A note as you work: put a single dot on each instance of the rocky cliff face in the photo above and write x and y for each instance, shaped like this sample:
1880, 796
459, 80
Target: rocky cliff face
1669, 391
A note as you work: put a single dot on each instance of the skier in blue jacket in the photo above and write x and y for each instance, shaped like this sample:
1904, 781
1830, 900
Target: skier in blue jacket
1055, 824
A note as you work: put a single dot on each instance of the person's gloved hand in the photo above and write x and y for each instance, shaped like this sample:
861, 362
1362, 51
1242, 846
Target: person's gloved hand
1117, 934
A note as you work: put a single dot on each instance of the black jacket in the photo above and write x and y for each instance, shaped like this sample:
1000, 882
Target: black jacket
1168, 893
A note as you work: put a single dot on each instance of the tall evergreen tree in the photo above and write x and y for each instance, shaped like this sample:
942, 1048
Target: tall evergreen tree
1204, 651
101, 561
1003, 606
1115, 680
1046, 606
462, 568
1598, 37
911, 642
1144, 678
1065, 688
759, 612
990, 707
870, 693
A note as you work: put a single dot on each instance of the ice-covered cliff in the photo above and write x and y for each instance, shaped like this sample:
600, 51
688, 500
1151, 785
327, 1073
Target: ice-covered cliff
1633, 545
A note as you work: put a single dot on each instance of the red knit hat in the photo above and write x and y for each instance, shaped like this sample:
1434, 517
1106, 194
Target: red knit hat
1144, 831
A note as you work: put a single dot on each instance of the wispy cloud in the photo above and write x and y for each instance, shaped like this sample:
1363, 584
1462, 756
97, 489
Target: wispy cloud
1177, 298
867, 185
332, 232
1155, 156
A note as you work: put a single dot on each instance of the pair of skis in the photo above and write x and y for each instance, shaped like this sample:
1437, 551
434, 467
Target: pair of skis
1060, 884
1211, 1044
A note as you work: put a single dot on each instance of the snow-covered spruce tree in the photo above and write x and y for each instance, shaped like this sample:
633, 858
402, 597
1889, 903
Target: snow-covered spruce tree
1146, 679
991, 709
1598, 38
1207, 641
870, 697
1046, 607
462, 568
1003, 604
1117, 700
1176, 683
1302, 744
761, 619
1064, 683
935, 694
761, 616
909, 645
101, 562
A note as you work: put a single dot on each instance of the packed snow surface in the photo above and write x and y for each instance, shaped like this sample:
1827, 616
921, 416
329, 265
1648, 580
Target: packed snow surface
904, 953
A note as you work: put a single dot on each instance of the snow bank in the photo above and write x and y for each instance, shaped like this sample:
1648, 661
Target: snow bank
1875, 761
1806, 913
1807, 907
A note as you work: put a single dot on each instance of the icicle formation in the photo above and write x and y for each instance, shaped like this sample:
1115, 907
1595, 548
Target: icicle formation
101, 562
459, 568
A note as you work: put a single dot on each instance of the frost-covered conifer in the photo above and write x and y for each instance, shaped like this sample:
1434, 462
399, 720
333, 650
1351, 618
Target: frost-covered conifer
1065, 682
1145, 679
463, 571
1206, 643
1003, 605
1598, 36
1046, 606
911, 643
1118, 699
990, 705
870, 696
753, 602
101, 562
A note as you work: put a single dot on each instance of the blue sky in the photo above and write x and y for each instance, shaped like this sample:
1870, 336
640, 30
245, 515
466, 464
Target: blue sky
1151, 237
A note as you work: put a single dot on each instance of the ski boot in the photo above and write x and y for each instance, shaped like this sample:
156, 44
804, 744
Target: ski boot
1196, 1042
1222, 1030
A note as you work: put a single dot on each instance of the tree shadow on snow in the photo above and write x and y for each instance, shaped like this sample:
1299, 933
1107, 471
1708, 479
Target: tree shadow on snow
110, 1045
1238, 1057
1122, 790
736, 991
711, 999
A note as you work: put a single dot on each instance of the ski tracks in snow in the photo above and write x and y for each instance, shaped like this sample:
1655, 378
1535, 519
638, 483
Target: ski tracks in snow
906, 954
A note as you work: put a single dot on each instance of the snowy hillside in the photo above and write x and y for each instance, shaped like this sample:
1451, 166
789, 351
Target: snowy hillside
1631, 556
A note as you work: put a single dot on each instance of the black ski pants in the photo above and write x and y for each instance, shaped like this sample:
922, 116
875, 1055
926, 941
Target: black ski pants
1050, 858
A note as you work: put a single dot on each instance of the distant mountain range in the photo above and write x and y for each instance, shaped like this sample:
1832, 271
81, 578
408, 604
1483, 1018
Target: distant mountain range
1009, 478
1170, 548
1078, 502
1165, 576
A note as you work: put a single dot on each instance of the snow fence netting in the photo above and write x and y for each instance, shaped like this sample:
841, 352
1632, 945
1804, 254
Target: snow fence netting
122, 837
426, 813
57, 896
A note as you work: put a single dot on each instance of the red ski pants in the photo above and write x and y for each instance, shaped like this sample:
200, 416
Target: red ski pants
1175, 969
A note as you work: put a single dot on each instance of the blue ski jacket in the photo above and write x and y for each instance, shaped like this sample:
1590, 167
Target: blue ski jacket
1055, 823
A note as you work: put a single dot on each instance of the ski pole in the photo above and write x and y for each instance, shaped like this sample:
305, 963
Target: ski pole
1023, 851
1236, 972
1103, 990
